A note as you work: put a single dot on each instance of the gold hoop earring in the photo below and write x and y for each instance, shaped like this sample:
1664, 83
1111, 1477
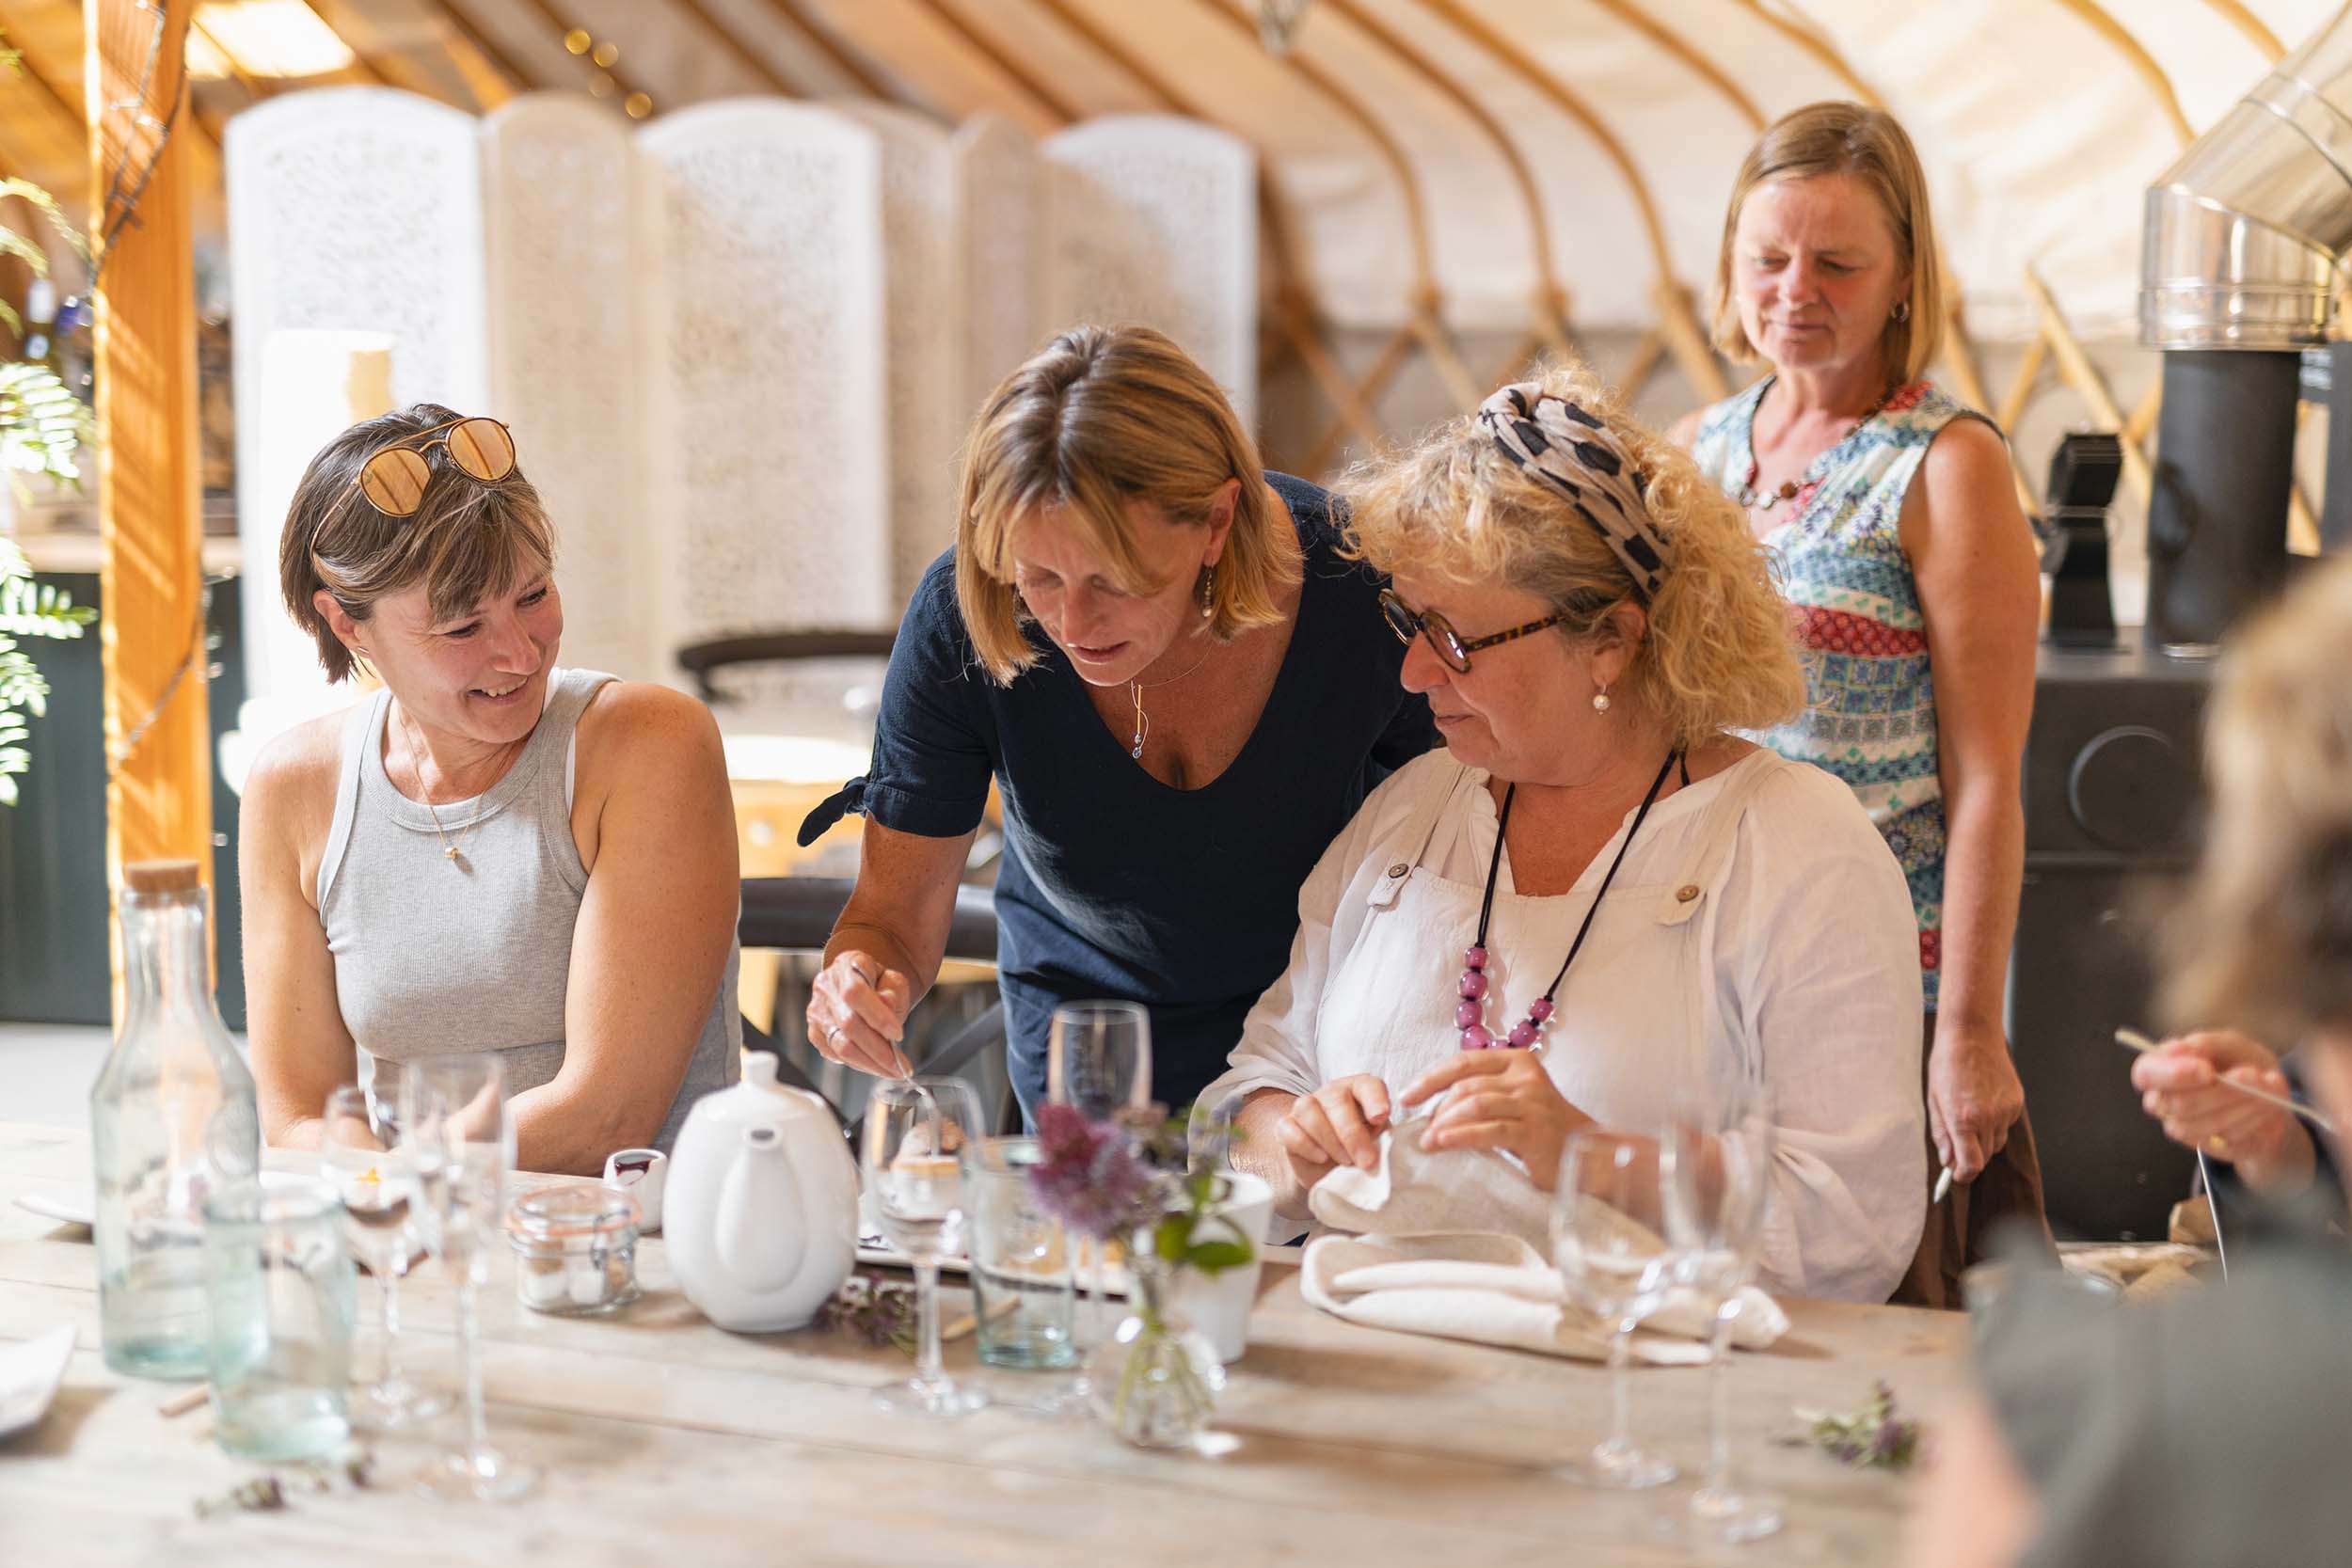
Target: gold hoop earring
1902, 310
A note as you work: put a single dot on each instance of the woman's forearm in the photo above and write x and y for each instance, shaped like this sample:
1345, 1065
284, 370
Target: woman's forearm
1258, 1148
1984, 869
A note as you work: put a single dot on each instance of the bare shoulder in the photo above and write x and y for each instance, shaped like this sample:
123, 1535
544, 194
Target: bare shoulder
292, 780
1965, 492
631, 729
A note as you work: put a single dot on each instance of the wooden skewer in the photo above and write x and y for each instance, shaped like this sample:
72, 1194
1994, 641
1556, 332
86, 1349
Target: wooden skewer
184, 1401
1003, 1306
2133, 1039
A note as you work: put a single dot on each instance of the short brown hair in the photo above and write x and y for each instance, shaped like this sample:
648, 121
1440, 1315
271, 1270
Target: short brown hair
1718, 653
467, 539
1870, 145
2265, 942
1103, 415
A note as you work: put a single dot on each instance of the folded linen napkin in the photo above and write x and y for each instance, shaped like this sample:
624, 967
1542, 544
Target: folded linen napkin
1498, 1290
1456, 1242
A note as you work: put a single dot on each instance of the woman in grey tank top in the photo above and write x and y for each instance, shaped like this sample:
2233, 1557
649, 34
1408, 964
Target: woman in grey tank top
490, 853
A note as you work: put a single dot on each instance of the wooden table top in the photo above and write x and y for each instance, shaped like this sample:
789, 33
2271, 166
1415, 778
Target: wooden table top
667, 1441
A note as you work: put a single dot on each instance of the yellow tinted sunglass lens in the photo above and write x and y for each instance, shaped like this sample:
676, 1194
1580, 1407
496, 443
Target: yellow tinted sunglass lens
394, 481
482, 449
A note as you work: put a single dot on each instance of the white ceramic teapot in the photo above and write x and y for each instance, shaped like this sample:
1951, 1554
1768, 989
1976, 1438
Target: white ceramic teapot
760, 1214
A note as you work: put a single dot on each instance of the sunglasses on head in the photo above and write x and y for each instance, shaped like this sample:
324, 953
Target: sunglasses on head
393, 479
1451, 645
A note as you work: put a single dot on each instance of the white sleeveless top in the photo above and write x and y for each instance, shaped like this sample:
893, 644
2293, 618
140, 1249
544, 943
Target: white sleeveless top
435, 956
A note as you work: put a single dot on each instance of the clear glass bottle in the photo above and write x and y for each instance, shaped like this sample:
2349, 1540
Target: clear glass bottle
172, 1119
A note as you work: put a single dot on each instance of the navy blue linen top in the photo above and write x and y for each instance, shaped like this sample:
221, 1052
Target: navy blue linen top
1114, 884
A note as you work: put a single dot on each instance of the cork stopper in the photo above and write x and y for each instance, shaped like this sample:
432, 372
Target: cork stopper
161, 877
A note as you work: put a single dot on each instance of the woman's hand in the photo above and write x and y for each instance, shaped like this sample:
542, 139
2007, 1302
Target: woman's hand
857, 1012
1339, 1124
2180, 1084
1501, 1099
1974, 1097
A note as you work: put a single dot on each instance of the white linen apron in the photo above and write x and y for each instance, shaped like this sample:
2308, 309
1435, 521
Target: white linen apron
1389, 1007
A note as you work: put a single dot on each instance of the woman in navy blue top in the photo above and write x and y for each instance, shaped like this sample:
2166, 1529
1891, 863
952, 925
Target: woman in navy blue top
1180, 686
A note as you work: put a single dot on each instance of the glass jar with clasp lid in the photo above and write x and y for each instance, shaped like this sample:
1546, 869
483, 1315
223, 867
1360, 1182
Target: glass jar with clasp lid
574, 1249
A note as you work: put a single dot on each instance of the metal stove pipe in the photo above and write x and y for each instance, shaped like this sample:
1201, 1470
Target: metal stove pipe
2238, 261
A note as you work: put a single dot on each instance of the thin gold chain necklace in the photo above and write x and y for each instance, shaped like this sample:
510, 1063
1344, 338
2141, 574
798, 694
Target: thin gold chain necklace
449, 850
1143, 720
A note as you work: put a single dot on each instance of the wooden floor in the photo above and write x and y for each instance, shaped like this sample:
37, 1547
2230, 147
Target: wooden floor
667, 1441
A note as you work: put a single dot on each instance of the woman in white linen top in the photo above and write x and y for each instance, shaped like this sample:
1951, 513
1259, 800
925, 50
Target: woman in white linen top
1755, 917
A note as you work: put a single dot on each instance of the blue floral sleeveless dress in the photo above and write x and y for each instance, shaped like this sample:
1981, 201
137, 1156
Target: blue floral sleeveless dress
1870, 711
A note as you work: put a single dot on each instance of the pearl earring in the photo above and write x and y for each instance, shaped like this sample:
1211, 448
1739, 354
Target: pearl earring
1208, 592
1601, 701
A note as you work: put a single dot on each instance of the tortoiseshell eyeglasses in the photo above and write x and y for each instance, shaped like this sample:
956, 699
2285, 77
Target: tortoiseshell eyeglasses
1451, 645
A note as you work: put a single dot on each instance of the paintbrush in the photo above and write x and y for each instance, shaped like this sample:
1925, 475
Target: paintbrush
2132, 1040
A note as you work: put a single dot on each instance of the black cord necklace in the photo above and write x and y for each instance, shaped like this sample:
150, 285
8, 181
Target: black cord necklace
1469, 1015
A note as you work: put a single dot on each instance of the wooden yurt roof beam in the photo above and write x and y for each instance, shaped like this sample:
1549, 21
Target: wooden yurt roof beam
1680, 48
2136, 55
732, 44
837, 55
67, 105
2256, 31
486, 47
1813, 43
1550, 299
1684, 339
1007, 63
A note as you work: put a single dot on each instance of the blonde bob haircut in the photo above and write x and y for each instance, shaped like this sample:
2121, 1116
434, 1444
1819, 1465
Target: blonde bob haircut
1718, 653
2265, 941
1100, 417
467, 541
1870, 145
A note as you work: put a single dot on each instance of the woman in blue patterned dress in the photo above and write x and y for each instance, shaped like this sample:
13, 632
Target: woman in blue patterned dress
1914, 578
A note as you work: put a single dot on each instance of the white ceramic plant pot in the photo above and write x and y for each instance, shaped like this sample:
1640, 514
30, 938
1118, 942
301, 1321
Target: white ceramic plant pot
1217, 1305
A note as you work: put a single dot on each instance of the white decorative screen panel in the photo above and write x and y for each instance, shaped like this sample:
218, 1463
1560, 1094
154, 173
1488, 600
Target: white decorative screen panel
768, 486
557, 173
1154, 222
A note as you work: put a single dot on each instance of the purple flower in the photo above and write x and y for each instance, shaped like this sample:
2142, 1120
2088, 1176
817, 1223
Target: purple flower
1091, 1176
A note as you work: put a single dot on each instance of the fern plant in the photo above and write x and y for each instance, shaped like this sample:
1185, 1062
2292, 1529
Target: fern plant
42, 425
27, 609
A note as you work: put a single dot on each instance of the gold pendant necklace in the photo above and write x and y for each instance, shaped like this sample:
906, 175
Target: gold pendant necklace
449, 850
1143, 720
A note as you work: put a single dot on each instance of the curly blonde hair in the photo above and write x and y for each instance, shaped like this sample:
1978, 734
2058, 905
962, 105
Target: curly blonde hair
1718, 653
2265, 941
1097, 417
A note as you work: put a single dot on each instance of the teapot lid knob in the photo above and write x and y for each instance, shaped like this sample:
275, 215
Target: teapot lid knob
759, 1070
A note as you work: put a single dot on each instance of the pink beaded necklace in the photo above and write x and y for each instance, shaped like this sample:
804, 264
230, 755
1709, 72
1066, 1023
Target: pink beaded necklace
1470, 1014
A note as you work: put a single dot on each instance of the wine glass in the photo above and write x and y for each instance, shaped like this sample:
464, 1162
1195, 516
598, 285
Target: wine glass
363, 1152
456, 1108
1715, 1165
1098, 1061
916, 1133
1614, 1265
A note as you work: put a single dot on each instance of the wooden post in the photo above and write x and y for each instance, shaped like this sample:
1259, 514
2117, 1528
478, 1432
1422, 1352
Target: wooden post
152, 642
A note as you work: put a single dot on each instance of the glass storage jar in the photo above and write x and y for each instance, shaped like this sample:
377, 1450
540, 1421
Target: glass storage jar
574, 1249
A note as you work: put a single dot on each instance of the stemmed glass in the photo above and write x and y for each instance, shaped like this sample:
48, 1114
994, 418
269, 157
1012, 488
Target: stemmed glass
918, 1133
1098, 1061
1715, 1165
457, 1107
363, 1152
1613, 1265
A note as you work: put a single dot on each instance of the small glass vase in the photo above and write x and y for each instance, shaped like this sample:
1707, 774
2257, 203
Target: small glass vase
1154, 1381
